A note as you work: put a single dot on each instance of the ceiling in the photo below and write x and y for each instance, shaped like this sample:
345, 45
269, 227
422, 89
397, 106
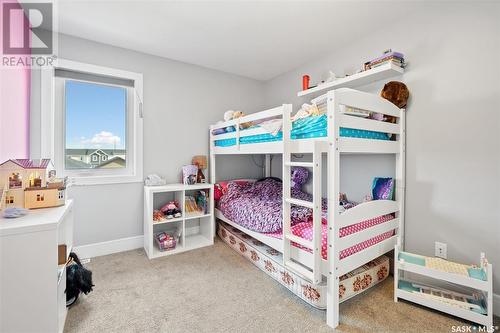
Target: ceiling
256, 39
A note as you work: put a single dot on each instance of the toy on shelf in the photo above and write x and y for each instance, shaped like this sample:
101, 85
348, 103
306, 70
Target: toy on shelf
26, 183
12, 212
201, 162
158, 216
197, 204
171, 210
154, 180
190, 204
305, 82
189, 174
202, 201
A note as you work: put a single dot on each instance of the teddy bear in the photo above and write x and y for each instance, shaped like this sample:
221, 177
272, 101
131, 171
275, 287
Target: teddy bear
397, 93
230, 114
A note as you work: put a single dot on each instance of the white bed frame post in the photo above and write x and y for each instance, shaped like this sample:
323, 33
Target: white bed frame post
401, 179
212, 176
332, 303
400, 198
212, 157
317, 227
267, 166
287, 129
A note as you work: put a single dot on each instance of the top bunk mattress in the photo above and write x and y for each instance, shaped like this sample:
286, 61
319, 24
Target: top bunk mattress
305, 128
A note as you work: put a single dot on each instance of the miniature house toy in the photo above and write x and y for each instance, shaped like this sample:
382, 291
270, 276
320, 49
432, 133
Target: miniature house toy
30, 184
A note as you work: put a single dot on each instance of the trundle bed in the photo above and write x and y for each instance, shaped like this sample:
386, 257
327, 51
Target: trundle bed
333, 241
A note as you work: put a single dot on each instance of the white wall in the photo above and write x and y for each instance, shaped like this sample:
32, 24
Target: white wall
180, 102
453, 122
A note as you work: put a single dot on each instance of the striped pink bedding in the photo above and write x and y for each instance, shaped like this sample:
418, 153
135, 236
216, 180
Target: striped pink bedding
305, 230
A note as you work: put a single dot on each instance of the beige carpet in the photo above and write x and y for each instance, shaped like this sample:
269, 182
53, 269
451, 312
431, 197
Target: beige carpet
216, 290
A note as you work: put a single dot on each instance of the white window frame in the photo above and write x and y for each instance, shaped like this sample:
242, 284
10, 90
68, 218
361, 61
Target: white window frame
53, 126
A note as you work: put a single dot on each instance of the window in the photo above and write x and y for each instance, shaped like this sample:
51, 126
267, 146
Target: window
15, 181
40, 197
9, 200
96, 122
60, 195
97, 112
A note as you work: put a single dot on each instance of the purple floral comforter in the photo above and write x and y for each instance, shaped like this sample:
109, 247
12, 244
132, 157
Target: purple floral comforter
258, 206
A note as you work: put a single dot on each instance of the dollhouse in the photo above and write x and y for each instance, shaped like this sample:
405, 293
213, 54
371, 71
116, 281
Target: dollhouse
30, 184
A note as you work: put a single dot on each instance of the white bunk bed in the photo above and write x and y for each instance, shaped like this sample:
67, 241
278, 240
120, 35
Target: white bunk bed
311, 265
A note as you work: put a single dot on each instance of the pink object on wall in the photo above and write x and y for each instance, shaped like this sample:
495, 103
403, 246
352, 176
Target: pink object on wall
15, 89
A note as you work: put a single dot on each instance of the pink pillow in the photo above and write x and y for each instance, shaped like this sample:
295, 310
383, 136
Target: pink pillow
220, 188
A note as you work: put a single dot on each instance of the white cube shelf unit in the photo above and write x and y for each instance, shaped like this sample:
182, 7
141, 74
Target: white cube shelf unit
197, 228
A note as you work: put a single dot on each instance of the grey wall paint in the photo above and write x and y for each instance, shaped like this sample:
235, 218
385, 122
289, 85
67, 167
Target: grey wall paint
180, 102
453, 123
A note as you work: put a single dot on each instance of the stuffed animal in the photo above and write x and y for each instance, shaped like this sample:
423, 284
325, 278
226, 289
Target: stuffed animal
239, 114
397, 93
299, 177
305, 111
230, 114
171, 210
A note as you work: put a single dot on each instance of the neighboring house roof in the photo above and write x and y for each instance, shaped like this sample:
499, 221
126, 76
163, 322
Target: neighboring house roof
74, 164
98, 152
117, 159
80, 151
30, 164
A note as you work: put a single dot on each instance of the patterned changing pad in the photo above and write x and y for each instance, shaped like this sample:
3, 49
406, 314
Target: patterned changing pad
270, 261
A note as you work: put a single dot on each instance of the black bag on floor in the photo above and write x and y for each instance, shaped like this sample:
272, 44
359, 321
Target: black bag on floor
78, 279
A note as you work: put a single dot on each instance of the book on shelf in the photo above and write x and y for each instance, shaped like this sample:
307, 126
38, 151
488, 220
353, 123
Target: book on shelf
393, 61
394, 57
387, 55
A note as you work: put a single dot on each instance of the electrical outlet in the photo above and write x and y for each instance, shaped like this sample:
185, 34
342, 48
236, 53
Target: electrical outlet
440, 250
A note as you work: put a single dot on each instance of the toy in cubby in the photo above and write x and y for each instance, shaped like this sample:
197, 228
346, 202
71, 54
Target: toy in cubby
197, 203
171, 210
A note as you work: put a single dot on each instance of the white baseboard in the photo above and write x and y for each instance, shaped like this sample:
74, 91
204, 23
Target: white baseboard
109, 247
496, 305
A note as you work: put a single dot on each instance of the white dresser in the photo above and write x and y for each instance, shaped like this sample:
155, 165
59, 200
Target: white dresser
32, 284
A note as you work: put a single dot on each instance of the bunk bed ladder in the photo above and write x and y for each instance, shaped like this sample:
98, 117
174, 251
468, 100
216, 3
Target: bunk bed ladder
313, 275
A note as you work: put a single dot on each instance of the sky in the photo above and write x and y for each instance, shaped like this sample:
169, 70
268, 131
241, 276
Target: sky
95, 115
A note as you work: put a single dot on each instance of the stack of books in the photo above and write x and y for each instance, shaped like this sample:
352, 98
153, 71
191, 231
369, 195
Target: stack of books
389, 56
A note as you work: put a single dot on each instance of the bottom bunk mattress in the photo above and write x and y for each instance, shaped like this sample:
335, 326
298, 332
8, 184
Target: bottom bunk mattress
270, 261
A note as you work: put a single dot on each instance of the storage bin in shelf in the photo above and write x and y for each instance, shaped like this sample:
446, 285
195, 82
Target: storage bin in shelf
476, 305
